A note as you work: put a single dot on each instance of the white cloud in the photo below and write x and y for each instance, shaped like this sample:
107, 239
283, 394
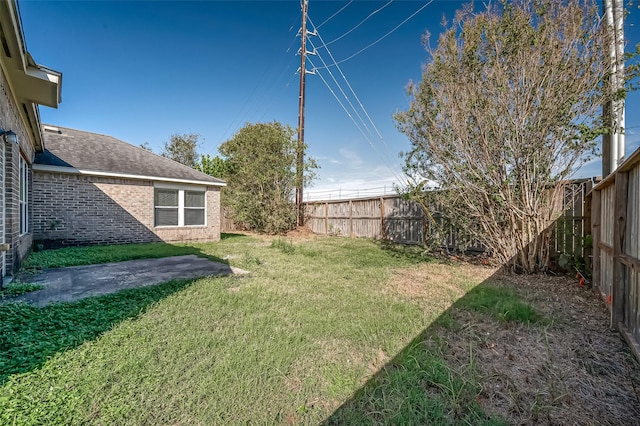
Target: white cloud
352, 158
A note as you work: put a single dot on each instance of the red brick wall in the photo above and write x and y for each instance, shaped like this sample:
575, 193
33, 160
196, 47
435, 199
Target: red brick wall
80, 210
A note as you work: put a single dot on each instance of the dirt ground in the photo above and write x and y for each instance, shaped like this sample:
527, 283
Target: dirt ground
574, 370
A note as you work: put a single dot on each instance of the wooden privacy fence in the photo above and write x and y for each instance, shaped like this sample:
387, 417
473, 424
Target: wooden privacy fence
227, 224
615, 221
388, 217
396, 219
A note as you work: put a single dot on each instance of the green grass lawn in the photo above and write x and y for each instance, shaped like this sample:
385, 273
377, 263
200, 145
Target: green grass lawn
315, 333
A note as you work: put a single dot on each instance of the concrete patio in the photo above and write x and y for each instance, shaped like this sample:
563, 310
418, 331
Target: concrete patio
74, 283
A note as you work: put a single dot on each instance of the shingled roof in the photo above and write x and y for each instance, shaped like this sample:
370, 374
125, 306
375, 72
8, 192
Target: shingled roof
96, 154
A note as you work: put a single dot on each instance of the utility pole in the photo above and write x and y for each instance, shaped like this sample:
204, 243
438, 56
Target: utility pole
300, 153
613, 144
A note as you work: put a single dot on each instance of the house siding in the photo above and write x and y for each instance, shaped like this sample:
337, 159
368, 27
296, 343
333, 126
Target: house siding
10, 119
82, 210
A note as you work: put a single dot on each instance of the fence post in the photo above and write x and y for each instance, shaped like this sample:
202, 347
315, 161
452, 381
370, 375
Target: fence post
350, 218
586, 225
382, 233
326, 218
596, 231
618, 289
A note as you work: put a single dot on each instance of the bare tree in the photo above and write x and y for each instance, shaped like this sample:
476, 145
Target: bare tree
508, 107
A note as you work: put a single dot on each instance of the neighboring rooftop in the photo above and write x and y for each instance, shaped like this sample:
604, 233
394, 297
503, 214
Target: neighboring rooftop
92, 152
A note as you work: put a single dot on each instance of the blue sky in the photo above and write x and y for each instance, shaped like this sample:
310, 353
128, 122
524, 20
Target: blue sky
143, 70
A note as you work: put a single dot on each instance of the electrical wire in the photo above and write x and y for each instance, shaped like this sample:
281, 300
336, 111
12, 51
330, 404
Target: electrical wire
344, 77
384, 36
384, 159
244, 113
350, 87
340, 88
342, 105
362, 22
332, 16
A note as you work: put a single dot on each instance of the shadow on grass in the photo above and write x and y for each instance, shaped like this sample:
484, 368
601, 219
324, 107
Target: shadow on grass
29, 335
492, 358
226, 235
421, 384
413, 253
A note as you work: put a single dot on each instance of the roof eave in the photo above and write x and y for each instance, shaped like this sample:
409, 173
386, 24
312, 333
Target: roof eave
40, 85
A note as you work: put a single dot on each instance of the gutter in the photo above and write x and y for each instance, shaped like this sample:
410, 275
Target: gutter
74, 171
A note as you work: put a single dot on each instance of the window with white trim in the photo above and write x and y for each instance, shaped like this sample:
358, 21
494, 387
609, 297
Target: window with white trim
24, 196
179, 207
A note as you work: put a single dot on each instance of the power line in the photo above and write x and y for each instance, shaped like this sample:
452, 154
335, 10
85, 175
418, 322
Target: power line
243, 114
362, 22
332, 16
384, 159
351, 88
343, 193
275, 98
342, 105
384, 36
340, 87
344, 77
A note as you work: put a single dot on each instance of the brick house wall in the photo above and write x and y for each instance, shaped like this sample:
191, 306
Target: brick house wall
20, 245
71, 209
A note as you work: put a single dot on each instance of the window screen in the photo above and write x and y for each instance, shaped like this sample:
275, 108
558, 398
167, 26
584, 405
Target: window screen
166, 207
178, 207
166, 198
193, 208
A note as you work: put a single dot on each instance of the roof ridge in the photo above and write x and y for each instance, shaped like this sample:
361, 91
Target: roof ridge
78, 130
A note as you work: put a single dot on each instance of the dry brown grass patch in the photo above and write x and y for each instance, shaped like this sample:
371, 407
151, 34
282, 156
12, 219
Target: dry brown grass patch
435, 285
572, 370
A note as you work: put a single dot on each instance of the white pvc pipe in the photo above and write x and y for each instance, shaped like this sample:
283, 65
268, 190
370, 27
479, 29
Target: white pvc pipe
618, 14
613, 15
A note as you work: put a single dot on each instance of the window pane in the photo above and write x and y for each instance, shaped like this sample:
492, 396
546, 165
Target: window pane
166, 217
193, 199
23, 180
23, 218
194, 216
166, 197
23, 193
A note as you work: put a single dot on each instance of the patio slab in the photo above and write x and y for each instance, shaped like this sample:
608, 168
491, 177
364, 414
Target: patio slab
74, 283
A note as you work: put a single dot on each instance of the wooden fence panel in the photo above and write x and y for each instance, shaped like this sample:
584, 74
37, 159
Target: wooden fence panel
338, 218
618, 248
568, 231
607, 205
607, 201
316, 217
403, 221
632, 249
227, 224
365, 218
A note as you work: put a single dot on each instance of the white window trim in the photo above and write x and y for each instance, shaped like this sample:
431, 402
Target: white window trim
23, 169
181, 197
